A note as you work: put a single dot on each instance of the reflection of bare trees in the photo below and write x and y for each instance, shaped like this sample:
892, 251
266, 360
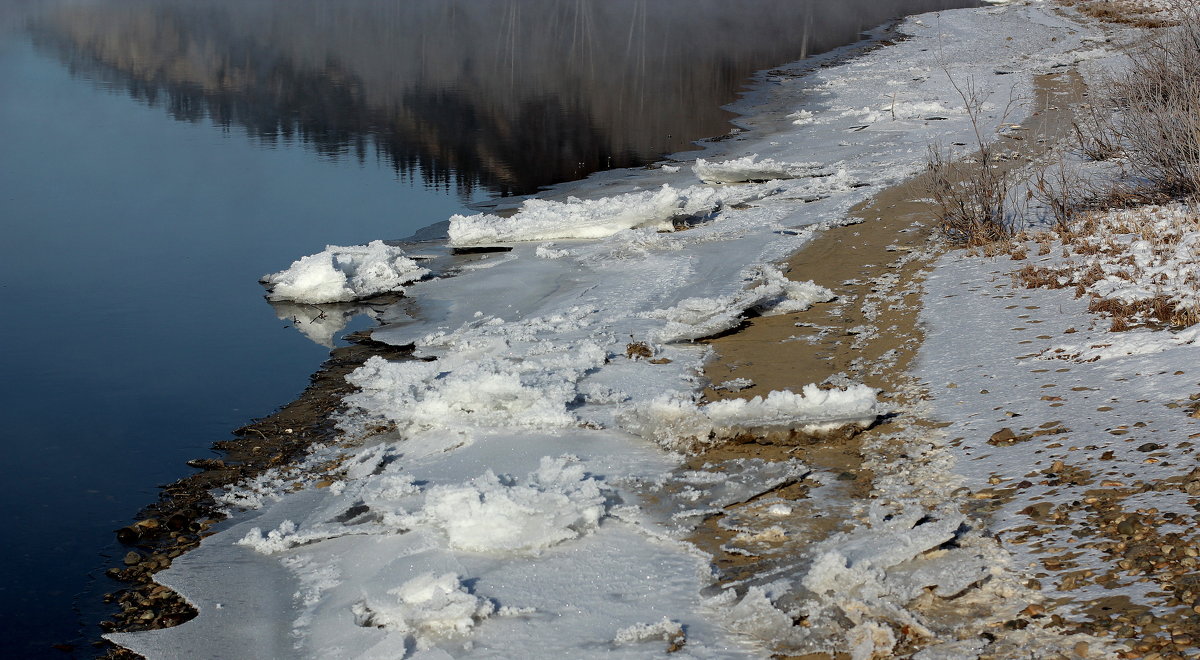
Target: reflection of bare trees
508, 94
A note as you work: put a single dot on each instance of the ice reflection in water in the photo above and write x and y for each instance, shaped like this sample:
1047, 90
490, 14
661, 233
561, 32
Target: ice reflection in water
323, 323
320, 323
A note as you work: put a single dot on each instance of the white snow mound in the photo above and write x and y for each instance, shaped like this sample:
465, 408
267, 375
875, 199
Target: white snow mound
751, 169
771, 293
544, 220
494, 514
665, 630
464, 391
343, 274
678, 423
427, 607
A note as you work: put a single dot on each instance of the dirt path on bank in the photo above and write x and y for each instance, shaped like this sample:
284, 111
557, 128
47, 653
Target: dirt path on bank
870, 334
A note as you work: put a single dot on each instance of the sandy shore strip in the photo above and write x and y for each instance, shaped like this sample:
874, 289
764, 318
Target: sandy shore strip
1085, 483
872, 334
773, 527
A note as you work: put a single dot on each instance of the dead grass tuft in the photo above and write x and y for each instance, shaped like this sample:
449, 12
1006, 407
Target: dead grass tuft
1124, 12
1141, 267
638, 349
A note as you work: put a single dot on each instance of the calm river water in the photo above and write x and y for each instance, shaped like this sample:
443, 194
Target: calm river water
159, 156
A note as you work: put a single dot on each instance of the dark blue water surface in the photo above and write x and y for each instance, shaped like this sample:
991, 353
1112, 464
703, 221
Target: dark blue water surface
158, 156
137, 334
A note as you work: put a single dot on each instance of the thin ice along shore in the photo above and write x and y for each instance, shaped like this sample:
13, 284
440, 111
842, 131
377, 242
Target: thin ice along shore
537, 475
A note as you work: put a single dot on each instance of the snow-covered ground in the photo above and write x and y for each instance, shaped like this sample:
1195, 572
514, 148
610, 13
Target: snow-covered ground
519, 486
1079, 441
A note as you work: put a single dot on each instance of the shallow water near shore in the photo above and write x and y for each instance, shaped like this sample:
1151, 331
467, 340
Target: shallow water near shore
147, 189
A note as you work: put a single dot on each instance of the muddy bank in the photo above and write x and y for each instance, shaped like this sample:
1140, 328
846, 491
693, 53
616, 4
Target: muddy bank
186, 510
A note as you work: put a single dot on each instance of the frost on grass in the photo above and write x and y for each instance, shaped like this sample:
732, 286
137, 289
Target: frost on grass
678, 423
751, 169
544, 220
426, 608
769, 292
1138, 266
343, 274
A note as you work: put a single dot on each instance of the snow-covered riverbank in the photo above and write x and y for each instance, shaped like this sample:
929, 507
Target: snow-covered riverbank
519, 486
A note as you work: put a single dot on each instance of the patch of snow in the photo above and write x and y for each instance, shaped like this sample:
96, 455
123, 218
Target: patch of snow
542, 219
665, 630
751, 168
770, 293
343, 274
801, 117
425, 608
556, 503
734, 385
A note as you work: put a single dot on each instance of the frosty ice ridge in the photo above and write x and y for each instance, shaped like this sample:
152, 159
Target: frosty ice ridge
542, 219
751, 168
679, 424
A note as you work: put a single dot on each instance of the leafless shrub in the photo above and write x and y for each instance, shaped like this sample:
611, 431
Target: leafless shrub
971, 198
1159, 100
1062, 190
1095, 133
973, 195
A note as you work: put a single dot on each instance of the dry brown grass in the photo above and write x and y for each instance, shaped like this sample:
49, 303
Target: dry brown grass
972, 192
1102, 246
636, 350
1124, 12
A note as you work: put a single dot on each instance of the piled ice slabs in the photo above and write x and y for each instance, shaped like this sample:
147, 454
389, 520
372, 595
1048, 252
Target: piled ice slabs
487, 496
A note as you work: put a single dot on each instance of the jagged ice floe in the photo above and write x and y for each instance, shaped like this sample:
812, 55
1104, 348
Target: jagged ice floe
343, 274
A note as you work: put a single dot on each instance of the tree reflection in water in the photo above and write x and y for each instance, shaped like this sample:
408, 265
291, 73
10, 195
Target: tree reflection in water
509, 95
